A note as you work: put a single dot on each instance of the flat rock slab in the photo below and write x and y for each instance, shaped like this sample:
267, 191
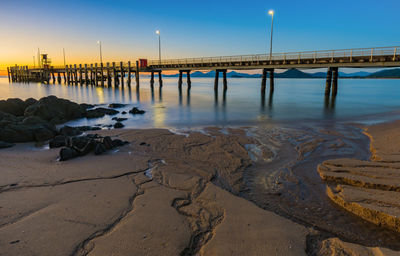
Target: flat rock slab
55, 220
335, 246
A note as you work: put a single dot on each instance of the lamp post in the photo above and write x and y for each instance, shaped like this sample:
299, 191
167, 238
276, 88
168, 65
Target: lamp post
101, 56
271, 12
159, 46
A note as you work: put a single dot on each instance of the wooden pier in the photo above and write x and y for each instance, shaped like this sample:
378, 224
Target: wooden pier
99, 74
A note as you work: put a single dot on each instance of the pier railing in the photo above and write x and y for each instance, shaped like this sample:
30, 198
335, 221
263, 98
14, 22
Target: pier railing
343, 53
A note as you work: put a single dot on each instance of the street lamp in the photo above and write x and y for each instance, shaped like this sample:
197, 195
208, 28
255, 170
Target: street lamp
159, 46
101, 56
271, 12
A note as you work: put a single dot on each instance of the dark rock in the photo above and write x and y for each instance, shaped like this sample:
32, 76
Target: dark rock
6, 144
119, 143
88, 128
119, 119
124, 112
90, 146
33, 120
137, 111
118, 125
55, 110
142, 143
107, 141
100, 112
116, 105
70, 131
86, 106
29, 102
14, 107
99, 149
67, 153
58, 141
43, 134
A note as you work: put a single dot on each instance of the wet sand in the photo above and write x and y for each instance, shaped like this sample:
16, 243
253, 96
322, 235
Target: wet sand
250, 191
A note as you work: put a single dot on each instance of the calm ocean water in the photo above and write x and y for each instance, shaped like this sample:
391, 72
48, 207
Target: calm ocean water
293, 100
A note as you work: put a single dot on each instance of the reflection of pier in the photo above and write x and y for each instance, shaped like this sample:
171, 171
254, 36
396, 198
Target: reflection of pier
117, 74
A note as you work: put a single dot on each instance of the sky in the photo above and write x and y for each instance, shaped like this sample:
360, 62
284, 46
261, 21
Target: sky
126, 28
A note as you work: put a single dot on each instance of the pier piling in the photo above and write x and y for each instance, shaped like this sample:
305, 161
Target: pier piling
137, 74
129, 73
121, 64
271, 80
335, 74
328, 82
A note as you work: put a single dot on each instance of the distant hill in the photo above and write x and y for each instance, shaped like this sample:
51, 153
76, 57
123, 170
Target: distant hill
295, 73
388, 73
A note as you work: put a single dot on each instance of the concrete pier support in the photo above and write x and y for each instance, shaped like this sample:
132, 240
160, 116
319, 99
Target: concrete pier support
152, 79
328, 82
335, 74
121, 64
160, 78
271, 80
217, 78
180, 80
264, 79
137, 74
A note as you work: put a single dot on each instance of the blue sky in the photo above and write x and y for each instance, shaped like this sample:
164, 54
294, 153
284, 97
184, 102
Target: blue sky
190, 28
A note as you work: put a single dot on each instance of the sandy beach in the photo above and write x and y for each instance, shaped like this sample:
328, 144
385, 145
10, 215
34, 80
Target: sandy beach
188, 193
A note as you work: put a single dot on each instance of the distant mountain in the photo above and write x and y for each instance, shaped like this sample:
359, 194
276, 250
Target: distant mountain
293, 73
342, 74
388, 73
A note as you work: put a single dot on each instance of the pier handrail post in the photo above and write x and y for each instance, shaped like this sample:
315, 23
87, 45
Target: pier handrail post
351, 55
372, 54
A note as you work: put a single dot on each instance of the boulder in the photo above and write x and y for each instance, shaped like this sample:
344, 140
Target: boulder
14, 107
118, 125
100, 112
86, 106
55, 110
67, 153
116, 105
124, 112
107, 141
42, 134
4, 144
136, 111
119, 119
99, 149
70, 131
58, 141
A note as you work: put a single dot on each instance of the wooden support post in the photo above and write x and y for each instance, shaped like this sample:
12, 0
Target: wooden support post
152, 79
121, 64
101, 74
335, 74
115, 74
95, 75
224, 80
180, 80
160, 78
216, 80
91, 74
189, 83
264, 79
80, 74
86, 75
108, 74
328, 82
129, 73
66, 74
8, 73
76, 74
71, 74
271, 80
137, 73
59, 77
